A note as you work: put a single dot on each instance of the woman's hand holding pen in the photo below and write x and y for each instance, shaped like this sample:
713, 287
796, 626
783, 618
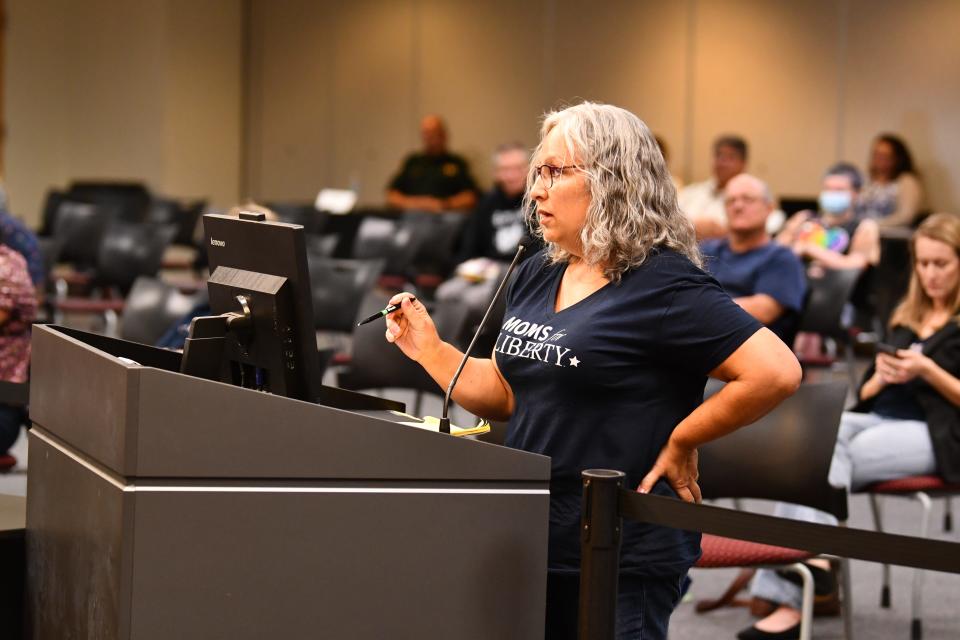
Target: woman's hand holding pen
411, 328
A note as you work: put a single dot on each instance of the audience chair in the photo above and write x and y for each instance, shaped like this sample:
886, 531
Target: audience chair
303, 214
391, 240
48, 217
378, 364
129, 251
922, 489
79, 227
126, 252
785, 456
151, 308
182, 215
441, 237
338, 288
418, 247
322, 245
828, 293
892, 274
131, 200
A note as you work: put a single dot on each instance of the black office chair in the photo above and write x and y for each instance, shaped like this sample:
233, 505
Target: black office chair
828, 293
396, 243
182, 215
151, 308
377, 364
48, 215
440, 239
79, 227
131, 200
127, 251
785, 456
338, 288
892, 275
304, 214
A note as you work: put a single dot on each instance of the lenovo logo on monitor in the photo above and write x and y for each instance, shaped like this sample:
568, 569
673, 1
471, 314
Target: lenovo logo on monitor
218, 243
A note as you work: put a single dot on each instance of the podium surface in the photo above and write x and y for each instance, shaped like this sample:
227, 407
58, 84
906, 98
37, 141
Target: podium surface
161, 505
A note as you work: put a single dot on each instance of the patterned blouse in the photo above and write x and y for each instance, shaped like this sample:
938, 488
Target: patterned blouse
19, 300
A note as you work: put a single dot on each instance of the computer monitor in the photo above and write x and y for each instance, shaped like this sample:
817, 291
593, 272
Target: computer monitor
262, 334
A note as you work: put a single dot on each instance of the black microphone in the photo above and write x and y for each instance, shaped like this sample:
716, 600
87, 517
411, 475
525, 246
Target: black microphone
444, 420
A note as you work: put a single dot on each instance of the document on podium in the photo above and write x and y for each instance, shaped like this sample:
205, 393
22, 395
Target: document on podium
428, 423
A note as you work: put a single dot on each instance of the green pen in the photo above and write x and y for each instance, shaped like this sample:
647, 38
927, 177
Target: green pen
379, 314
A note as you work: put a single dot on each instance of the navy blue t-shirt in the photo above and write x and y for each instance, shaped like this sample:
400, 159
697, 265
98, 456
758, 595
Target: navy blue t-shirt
603, 383
772, 269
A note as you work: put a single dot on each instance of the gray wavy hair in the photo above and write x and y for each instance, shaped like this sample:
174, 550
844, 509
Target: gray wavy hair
633, 202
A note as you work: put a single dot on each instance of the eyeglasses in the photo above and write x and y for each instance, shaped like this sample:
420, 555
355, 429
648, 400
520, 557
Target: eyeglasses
548, 174
745, 199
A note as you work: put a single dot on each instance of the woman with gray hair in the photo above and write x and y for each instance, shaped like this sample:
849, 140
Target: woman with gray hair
609, 336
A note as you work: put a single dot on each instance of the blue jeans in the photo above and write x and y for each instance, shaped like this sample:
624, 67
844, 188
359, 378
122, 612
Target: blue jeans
644, 605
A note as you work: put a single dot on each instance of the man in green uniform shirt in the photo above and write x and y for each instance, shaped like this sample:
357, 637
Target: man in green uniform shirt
433, 180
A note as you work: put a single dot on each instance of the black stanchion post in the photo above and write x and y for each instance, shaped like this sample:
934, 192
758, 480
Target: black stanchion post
600, 526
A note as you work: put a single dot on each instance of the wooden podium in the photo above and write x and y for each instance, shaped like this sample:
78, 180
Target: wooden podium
165, 506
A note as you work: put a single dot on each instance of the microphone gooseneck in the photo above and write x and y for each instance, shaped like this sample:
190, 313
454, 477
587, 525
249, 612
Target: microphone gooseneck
444, 420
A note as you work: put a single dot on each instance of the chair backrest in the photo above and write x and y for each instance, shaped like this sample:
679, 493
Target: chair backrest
130, 199
393, 240
129, 250
338, 288
827, 294
151, 308
375, 363
48, 216
79, 227
439, 239
50, 248
303, 214
183, 215
892, 276
784, 455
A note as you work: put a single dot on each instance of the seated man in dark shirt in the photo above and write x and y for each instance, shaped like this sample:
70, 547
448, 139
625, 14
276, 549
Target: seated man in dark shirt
433, 180
762, 276
493, 232
497, 225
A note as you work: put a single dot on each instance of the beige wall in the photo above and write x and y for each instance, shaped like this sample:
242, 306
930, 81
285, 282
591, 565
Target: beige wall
155, 89
908, 83
146, 90
340, 86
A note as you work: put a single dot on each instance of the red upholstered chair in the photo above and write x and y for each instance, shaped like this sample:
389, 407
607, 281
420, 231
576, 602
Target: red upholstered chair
784, 456
7, 462
922, 489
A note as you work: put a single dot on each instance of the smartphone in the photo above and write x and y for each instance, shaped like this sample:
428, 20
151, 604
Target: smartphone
889, 349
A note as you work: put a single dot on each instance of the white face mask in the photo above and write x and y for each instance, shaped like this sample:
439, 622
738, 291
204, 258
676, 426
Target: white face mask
835, 201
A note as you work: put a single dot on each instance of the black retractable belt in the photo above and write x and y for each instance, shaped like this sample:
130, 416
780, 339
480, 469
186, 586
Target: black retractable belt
602, 520
873, 546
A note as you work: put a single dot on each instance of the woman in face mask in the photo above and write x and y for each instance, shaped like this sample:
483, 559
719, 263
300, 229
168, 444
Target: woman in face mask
835, 238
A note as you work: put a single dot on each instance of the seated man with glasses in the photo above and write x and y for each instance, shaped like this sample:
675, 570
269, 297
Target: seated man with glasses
765, 278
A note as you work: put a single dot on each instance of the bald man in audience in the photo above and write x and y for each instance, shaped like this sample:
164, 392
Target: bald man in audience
433, 180
762, 276
703, 201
